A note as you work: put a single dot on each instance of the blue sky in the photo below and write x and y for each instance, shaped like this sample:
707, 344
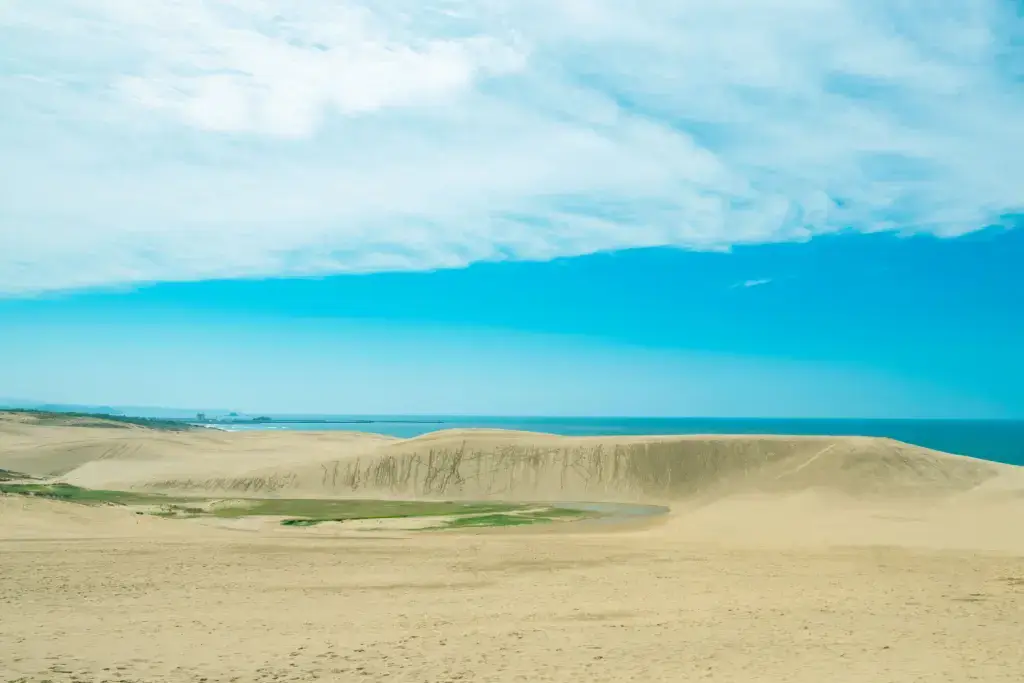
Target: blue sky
738, 207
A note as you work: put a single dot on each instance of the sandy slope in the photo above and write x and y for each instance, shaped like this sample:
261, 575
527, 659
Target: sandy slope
135, 452
784, 559
35, 519
487, 464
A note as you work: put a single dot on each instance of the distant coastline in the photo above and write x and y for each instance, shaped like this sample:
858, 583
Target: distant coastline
303, 421
996, 440
59, 416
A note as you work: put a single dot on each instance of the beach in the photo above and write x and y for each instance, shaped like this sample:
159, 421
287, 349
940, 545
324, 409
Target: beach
779, 559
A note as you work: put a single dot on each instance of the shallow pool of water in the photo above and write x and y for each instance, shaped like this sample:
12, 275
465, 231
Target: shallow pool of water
611, 512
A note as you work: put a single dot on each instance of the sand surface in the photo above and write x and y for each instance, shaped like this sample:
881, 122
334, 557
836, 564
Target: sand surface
782, 559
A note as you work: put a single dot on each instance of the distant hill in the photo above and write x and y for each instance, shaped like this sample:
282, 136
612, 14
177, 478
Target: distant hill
159, 412
16, 404
101, 420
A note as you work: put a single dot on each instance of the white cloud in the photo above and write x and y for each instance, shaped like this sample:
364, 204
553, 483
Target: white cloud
193, 139
755, 283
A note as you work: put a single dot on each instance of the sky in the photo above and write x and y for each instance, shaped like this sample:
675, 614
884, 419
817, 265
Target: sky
786, 208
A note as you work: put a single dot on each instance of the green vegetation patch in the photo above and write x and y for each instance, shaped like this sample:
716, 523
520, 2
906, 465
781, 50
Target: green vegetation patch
8, 475
300, 512
340, 510
464, 516
520, 518
492, 520
308, 522
76, 494
178, 511
102, 420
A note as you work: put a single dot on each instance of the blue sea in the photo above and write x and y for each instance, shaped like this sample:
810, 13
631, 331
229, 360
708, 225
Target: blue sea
999, 440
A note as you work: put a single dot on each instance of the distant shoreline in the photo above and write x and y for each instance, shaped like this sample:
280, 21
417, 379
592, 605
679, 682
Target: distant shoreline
996, 440
272, 421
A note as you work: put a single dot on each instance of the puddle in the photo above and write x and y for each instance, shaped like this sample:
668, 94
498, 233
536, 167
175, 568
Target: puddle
614, 512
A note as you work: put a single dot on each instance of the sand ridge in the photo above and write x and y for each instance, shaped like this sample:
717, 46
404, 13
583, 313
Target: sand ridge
767, 489
492, 464
796, 559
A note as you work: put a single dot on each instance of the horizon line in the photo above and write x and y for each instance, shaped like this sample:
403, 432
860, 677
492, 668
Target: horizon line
72, 408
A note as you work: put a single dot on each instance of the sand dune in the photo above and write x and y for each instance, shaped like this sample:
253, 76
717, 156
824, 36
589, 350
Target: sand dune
682, 471
470, 464
794, 559
123, 455
745, 489
41, 519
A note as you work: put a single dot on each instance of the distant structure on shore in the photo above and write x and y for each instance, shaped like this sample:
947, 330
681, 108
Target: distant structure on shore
231, 418
236, 419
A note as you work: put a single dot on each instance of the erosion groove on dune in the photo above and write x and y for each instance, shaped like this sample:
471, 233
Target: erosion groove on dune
488, 464
661, 470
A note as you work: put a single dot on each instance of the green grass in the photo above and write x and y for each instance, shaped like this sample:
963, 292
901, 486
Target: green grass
492, 521
334, 510
312, 509
466, 516
310, 522
178, 511
101, 420
302, 512
76, 494
8, 475
543, 516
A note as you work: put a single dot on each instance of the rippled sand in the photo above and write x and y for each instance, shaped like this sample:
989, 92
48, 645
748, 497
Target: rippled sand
781, 560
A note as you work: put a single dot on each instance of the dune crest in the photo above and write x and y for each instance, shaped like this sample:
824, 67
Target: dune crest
494, 464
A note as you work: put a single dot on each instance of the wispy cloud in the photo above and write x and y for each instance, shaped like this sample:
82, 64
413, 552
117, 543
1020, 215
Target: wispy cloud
192, 139
753, 283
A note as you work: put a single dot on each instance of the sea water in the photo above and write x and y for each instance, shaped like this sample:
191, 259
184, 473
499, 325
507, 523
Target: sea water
998, 440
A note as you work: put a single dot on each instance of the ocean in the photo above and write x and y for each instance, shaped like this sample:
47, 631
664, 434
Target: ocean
998, 440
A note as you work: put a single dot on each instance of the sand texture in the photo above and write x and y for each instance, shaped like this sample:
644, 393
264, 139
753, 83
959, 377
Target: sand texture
781, 559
